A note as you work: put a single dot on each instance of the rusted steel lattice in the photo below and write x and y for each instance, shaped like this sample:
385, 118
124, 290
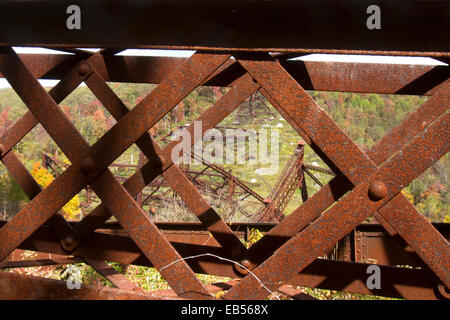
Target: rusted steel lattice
365, 183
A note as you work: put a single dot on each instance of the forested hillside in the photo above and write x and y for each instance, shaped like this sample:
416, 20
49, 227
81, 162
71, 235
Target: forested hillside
364, 117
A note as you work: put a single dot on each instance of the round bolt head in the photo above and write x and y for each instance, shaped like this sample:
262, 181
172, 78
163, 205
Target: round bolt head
87, 166
377, 191
246, 263
2, 148
84, 69
444, 291
68, 241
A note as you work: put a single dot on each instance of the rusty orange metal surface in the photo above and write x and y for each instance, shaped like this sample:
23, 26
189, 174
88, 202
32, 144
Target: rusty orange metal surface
291, 251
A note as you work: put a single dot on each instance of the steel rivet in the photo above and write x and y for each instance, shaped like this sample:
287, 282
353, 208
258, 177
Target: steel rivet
68, 241
247, 264
87, 166
443, 290
377, 191
84, 69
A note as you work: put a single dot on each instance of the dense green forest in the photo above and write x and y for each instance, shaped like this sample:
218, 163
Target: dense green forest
364, 117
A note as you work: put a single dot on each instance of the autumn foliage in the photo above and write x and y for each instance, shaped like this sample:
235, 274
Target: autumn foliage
71, 210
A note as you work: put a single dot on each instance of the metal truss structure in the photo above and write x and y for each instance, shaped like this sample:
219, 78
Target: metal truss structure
365, 183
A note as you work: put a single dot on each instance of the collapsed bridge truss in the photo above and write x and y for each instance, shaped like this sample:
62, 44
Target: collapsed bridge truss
365, 183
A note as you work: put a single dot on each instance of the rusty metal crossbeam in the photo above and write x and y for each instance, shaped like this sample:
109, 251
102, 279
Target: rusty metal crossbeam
160, 163
311, 75
337, 187
188, 239
87, 166
15, 286
439, 246
359, 192
364, 183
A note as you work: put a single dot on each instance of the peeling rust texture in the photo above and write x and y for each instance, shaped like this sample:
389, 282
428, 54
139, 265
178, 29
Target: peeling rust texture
113, 244
364, 183
24, 287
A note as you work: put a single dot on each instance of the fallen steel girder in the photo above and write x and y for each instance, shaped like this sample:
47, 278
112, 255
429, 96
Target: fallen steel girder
160, 162
56, 166
290, 179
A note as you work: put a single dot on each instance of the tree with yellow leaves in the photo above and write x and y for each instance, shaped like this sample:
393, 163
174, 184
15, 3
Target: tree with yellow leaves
44, 178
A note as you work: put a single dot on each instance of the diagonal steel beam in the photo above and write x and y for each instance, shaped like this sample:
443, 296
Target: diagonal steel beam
399, 136
69, 82
332, 142
341, 218
31, 188
436, 105
161, 162
16, 132
173, 175
193, 73
339, 185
